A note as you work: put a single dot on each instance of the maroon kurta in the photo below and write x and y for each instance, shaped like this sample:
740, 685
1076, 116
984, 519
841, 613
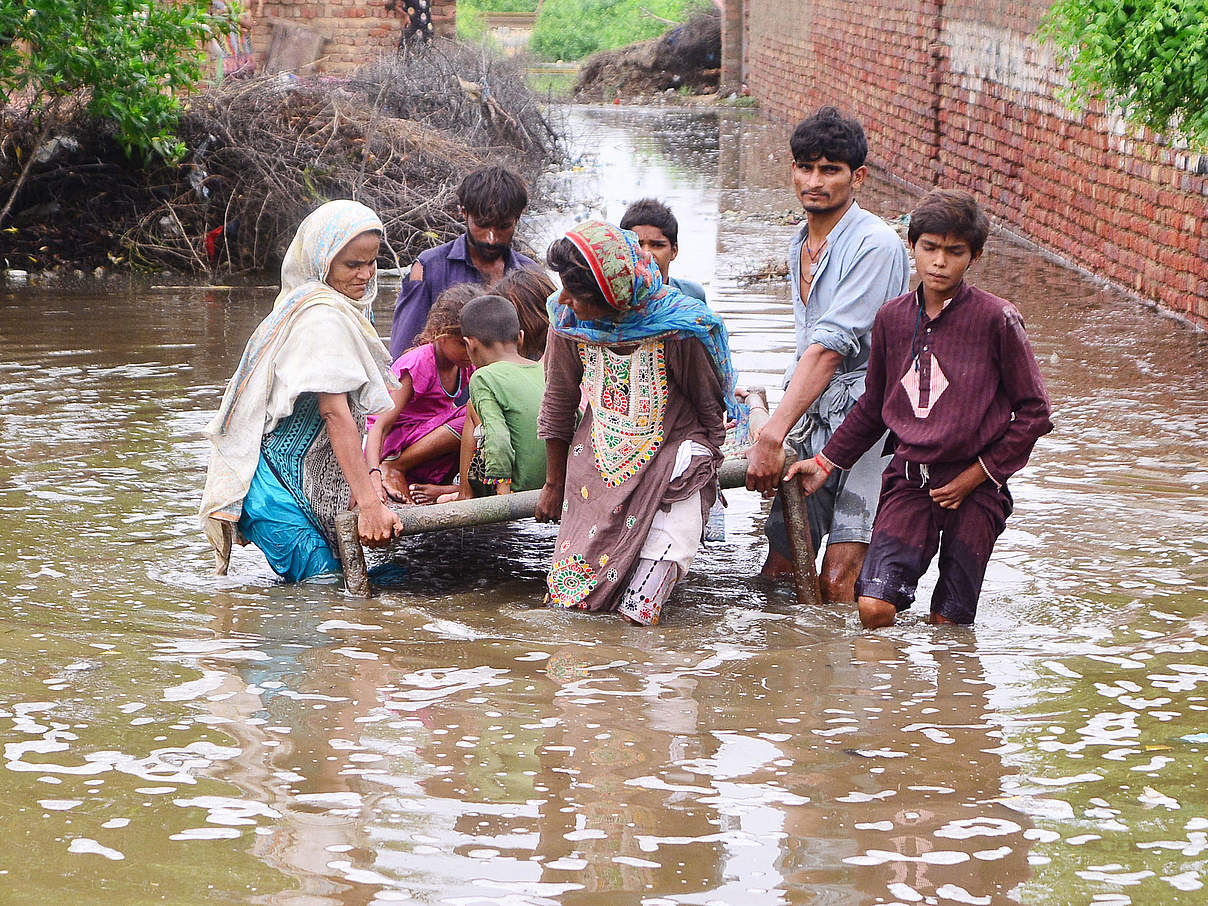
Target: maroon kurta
643, 402
963, 386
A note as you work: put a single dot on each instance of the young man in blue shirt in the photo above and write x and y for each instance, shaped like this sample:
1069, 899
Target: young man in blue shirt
844, 263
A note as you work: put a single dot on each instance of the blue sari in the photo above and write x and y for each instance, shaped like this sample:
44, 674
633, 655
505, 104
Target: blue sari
276, 516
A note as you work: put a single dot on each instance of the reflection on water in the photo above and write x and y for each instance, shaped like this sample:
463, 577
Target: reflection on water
173, 737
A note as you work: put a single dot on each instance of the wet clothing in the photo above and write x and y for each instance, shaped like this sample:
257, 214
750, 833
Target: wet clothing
688, 288
957, 390
271, 452
657, 383
289, 525
960, 387
642, 405
911, 527
863, 264
444, 266
665, 558
430, 408
507, 397
842, 510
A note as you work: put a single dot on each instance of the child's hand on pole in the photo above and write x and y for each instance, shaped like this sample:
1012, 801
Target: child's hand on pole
811, 473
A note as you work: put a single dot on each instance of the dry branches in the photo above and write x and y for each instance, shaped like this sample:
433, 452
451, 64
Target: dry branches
397, 135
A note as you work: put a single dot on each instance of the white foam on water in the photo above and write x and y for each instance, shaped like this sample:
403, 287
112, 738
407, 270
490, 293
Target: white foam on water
207, 833
960, 895
59, 805
331, 625
88, 845
967, 828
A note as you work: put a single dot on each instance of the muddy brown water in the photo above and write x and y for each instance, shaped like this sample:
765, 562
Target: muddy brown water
169, 736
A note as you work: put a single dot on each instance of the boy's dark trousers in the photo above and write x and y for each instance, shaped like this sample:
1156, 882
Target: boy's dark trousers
910, 527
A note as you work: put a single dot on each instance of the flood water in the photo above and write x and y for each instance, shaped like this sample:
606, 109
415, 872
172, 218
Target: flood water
169, 736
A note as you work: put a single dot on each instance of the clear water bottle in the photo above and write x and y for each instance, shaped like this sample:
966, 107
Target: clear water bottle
715, 527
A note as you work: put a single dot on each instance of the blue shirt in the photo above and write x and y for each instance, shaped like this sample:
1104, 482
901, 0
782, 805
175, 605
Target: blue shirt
688, 288
863, 265
444, 266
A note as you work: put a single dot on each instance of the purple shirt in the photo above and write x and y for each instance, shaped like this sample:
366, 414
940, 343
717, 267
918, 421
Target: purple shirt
444, 266
963, 386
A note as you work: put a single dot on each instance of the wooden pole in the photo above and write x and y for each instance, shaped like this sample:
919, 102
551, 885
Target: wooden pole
437, 517
352, 555
801, 543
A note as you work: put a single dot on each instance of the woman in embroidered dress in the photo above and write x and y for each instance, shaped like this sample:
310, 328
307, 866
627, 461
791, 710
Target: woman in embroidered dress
633, 483
287, 439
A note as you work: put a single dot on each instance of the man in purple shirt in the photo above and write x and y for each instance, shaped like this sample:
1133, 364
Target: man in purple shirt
952, 376
491, 200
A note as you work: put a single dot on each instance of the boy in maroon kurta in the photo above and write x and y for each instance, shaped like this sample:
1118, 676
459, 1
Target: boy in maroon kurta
953, 378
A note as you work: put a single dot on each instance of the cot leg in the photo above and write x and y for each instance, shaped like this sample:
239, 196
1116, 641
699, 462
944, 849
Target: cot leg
801, 545
352, 555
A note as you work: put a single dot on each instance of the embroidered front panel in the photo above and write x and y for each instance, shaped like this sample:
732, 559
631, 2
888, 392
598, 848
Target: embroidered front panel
570, 581
924, 386
628, 396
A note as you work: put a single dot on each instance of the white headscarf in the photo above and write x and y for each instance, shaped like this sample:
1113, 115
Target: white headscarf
316, 340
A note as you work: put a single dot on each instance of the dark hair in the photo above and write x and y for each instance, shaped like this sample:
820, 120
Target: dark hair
528, 289
490, 319
831, 135
492, 194
444, 318
576, 276
946, 211
652, 212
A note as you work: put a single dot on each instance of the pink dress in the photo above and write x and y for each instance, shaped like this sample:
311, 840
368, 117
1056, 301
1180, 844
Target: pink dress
430, 408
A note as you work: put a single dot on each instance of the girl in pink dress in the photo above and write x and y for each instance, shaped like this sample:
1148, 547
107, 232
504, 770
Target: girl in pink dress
414, 445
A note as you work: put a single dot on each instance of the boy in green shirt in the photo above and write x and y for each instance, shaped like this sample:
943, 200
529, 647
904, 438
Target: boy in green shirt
500, 452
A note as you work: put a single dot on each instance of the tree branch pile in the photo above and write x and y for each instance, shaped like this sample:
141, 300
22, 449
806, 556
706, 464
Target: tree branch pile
398, 135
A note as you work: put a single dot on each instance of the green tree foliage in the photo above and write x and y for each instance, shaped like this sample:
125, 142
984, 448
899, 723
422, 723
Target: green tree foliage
1149, 57
127, 61
573, 29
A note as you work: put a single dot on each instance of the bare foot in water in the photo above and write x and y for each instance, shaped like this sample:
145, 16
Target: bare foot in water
430, 493
776, 566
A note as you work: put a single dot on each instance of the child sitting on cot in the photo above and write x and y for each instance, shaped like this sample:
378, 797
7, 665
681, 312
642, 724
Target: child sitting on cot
952, 376
632, 484
528, 288
413, 446
500, 452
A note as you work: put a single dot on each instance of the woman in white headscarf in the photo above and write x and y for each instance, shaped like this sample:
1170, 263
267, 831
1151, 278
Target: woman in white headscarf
287, 439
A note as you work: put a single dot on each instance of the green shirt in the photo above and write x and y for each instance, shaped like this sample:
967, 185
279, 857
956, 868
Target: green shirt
506, 397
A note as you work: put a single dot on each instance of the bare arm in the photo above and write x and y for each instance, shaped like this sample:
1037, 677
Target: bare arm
765, 458
385, 421
377, 523
549, 504
464, 491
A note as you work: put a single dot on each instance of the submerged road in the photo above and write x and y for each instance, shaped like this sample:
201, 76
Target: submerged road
169, 736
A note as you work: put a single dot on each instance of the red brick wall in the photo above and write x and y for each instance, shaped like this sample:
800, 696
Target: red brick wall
358, 31
968, 98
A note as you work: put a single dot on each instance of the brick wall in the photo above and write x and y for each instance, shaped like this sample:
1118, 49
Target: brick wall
960, 94
357, 31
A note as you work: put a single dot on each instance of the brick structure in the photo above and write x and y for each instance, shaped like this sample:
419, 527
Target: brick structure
357, 31
959, 93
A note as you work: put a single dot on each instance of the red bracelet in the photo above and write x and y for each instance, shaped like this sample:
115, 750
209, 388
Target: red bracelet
822, 464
